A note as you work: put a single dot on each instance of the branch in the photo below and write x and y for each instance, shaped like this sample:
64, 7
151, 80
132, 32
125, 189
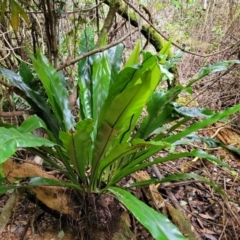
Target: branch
14, 89
131, 16
70, 62
113, 7
14, 113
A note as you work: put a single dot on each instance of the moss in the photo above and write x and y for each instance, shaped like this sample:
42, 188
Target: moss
155, 38
124, 232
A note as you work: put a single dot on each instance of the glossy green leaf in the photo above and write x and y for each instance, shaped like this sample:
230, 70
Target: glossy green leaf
180, 123
86, 43
153, 79
160, 112
11, 139
177, 177
117, 153
85, 74
195, 153
39, 181
192, 111
191, 138
182, 176
217, 67
55, 89
202, 124
32, 123
165, 51
35, 182
157, 224
6, 125
213, 143
85, 87
96, 74
105, 136
166, 73
38, 101
4, 187
35, 98
134, 57
173, 61
117, 119
142, 183
114, 120
126, 79
101, 76
27, 76
123, 78
138, 164
123, 113
78, 145
137, 161
115, 57
166, 116
130, 101
232, 148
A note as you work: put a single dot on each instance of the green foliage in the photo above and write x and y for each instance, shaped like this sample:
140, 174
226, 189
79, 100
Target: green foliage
104, 139
15, 12
55, 89
35, 96
78, 145
159, 226
12, 138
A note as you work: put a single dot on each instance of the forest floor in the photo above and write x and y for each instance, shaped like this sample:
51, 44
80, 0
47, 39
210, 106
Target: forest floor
212, 215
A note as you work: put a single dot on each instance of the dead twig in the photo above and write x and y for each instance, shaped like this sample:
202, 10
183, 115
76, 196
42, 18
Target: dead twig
223, 231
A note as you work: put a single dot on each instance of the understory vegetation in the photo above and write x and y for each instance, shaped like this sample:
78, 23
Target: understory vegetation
90, 112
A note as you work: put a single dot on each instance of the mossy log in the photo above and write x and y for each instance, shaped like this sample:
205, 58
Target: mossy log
147, 31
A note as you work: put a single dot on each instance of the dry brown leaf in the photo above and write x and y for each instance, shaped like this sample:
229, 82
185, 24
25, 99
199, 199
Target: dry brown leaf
126, 218
207, 231
200, 223
208, 236
196, 203
206, 216
57, 198
154, 195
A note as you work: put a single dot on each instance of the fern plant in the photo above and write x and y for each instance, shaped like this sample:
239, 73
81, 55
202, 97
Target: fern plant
108, 142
